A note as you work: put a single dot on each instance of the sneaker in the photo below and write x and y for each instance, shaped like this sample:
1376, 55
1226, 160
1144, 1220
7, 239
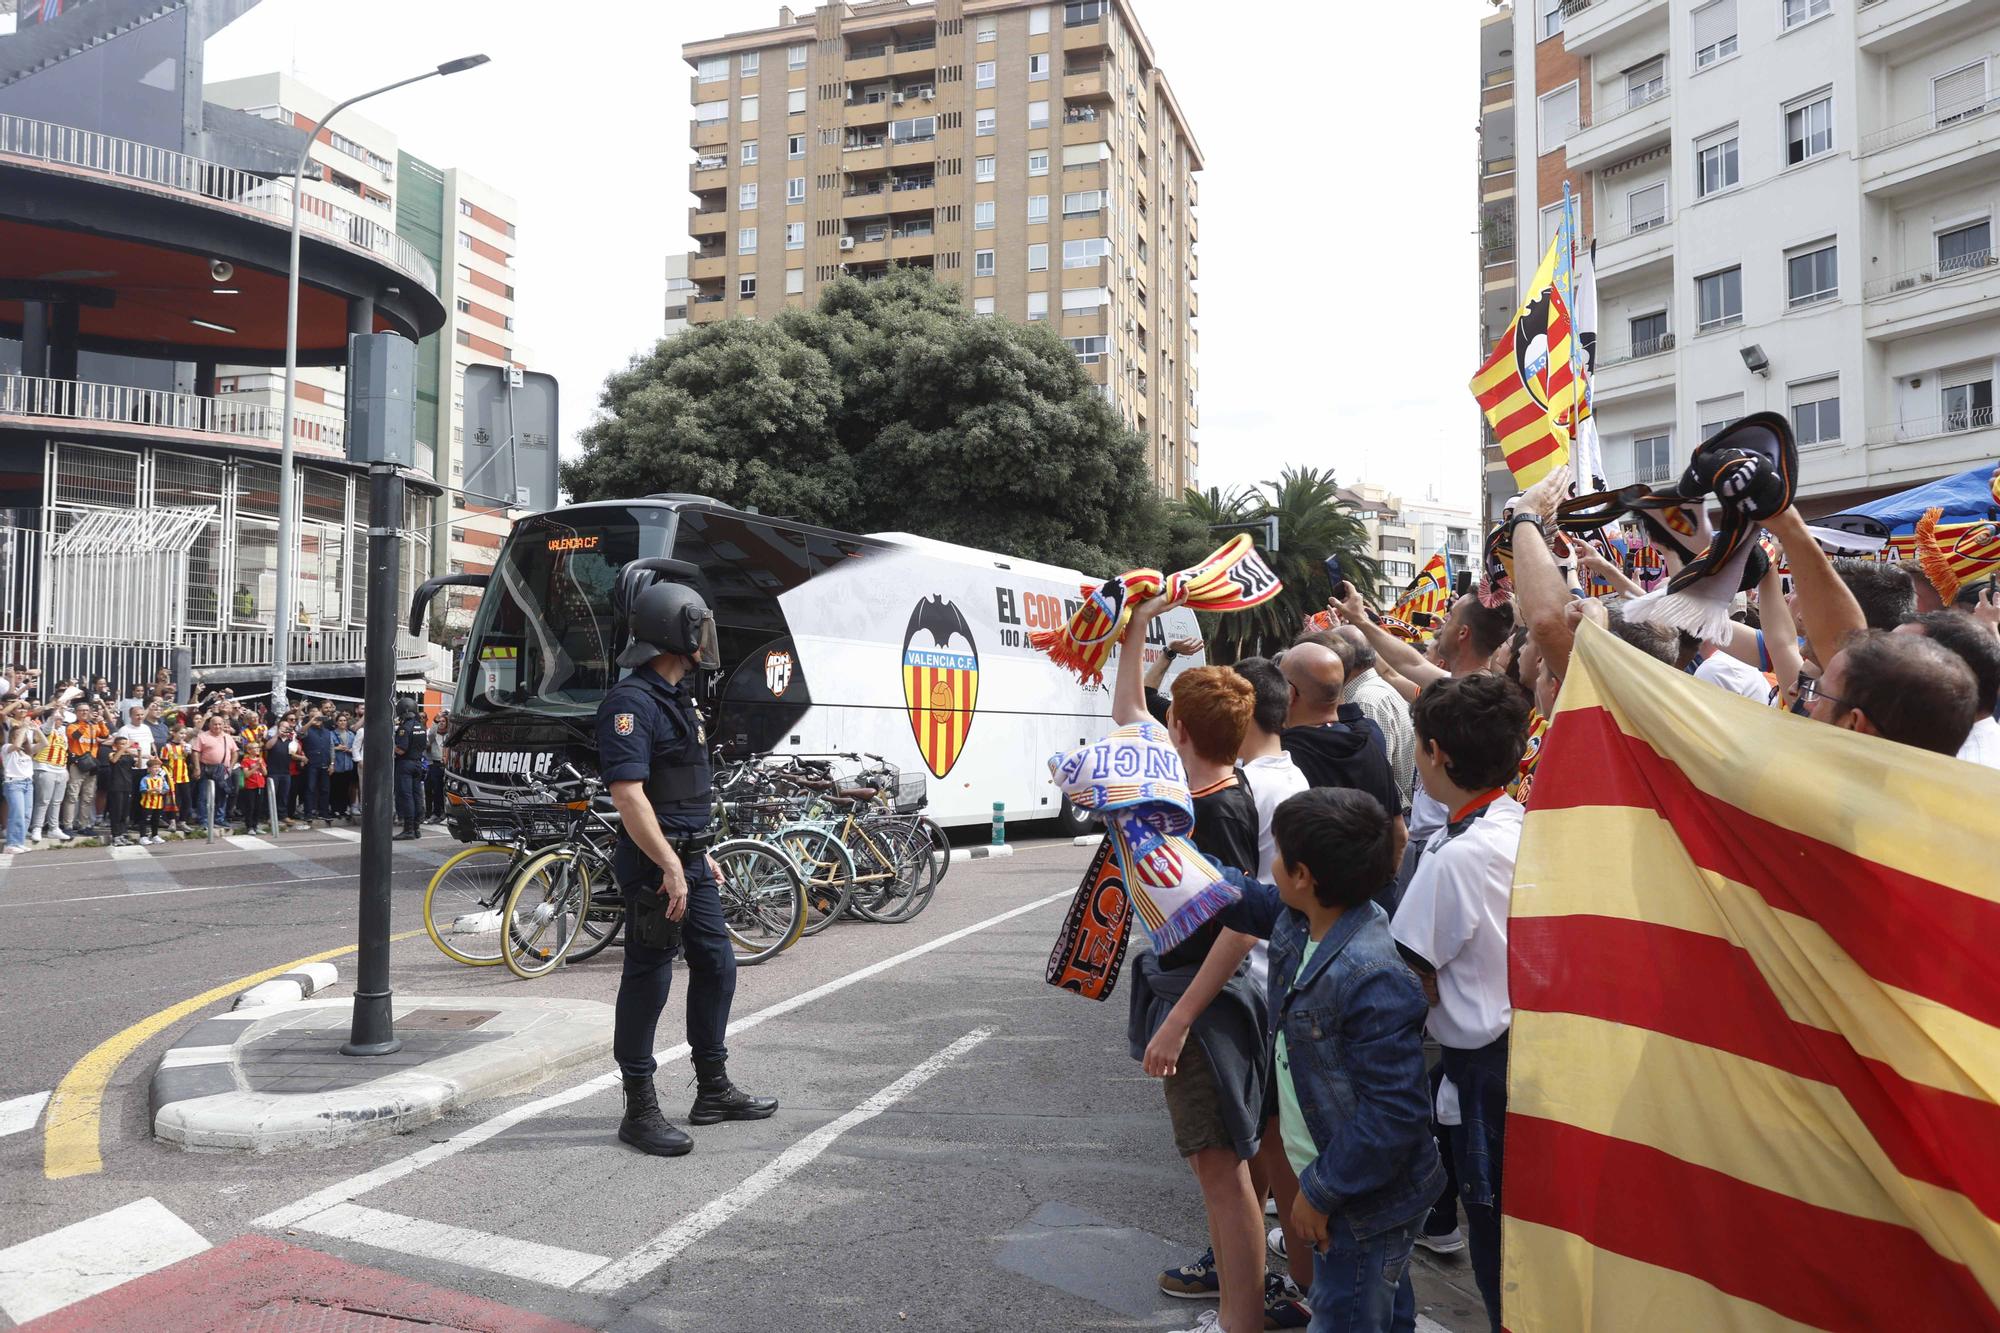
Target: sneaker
13, 848
1275, 1241
1444, 1242
34, 837
1284, 1305
1209, 1322
1194, 1281
61, 835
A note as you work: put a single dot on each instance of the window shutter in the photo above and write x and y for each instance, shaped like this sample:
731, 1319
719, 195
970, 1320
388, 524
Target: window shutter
1960, 91
1960, 376
1714, 22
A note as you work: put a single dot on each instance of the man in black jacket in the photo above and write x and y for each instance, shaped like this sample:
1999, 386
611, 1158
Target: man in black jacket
1333, 743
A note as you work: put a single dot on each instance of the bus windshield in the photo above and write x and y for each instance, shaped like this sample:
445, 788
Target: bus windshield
544, 638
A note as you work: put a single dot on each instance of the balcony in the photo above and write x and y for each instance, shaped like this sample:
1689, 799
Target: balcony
707, 221
883, 59
1591, 25
1939, 296
1081, 81
1907, 452
704, 308
705, 267
709, 173
1635, 369
713, 134
883, 198
1892, 27
1621, 126
1953, 144
1644, 248
155, 416
1084, 124
1086, 36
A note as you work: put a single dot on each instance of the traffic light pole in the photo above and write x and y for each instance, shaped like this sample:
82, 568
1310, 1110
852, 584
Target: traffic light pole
374, 1027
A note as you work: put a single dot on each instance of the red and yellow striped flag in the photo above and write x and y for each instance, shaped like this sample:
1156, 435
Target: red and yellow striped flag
1754, 1073
1430, 591
1527, 386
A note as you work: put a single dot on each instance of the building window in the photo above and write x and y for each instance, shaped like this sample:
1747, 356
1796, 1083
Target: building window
1816, 411
1084, 300
1084, 253
1808, 128
795, 235
749, 108
1080, 203
1805, 11
710, 113
1038, 257
1038, 20
713, 69
983, 122
1038, 208
982, 168
1717, 414
1088, 350
1968, 398
746, 195
1715, 166
1810, 275
1038, 306
1647, 207
464, 241
749, 62
914, 130
1652, 458
1714, 32
795, 190
1644, 83
1719, 299
795, 102
1552, 17
982, 215
1038, 115
1557, 118
464, 306
746, 241
1959, 94
1968, 246
795, 147
465, 207
1038, 69
982, 263
795, 56
746, 286
1076, 13
984, 74
989, 30
747, 154
1038, 163
795, 281
1552, 217
1649, 333
982, 306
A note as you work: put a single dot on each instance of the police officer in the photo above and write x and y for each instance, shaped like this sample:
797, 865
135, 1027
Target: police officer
411, 742
654, 758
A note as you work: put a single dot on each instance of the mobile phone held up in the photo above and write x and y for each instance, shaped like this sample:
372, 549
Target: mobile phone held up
1336, 575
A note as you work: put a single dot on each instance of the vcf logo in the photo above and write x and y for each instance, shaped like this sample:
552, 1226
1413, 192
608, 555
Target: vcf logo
940, 681
777, 672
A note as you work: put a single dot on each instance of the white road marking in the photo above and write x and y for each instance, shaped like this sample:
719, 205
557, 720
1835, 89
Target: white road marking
196, 1055
344, 834
508, 1256
662, 1248
6, 859
251, 842
96, 1254
355, 1186
21, 1113
1426, 1324
199, 888
127, 853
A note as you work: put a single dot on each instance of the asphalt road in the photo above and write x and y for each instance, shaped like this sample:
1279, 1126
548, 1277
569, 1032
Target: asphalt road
960, 1146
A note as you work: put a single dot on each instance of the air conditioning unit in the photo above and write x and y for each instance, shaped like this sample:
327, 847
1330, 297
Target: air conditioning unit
898, 98
929, 95
1131, 274
847, 242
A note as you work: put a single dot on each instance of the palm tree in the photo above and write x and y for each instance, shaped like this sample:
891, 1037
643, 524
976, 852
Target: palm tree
1313, 523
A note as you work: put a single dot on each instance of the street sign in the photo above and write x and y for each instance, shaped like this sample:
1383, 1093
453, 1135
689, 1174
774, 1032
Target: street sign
510, 437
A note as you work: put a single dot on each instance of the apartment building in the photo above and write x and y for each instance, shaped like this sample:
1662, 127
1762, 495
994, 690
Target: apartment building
1793, 207
465, 229
680, 290
1499, 295
1031, 154
1404, 534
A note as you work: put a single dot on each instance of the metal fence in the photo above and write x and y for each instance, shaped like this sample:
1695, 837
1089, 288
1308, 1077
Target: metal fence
81, 400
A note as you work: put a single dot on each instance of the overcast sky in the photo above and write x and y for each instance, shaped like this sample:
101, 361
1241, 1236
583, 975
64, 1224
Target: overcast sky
1338, 281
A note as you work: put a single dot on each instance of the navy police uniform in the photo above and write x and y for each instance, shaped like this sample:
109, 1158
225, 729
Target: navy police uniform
411, 742
650, 731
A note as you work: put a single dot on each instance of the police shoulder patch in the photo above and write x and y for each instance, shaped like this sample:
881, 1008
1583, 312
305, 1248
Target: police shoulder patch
622, 724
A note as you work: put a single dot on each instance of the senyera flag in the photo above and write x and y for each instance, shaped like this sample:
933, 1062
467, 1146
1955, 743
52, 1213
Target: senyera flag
1756, 1044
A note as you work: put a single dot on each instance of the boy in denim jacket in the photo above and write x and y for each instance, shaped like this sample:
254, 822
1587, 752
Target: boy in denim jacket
1353, 1100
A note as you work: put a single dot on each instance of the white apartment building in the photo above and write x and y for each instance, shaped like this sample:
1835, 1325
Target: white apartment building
1793, 206
1404, 534
465, 227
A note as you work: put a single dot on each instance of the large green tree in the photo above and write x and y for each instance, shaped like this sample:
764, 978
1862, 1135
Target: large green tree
887, 406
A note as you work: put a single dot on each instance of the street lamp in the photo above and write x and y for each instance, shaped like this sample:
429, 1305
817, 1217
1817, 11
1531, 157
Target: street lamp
281, 647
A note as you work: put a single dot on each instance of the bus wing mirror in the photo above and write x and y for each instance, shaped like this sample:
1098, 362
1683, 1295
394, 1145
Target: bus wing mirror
638, 575
420, 602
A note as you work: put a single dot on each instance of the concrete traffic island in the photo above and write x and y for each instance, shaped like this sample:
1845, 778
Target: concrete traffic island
271, 1078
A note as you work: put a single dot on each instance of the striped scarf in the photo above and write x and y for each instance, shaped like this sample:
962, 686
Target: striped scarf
175, 757
55, 748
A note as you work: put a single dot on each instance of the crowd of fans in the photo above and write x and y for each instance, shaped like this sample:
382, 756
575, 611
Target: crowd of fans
1333, 1047
135, 764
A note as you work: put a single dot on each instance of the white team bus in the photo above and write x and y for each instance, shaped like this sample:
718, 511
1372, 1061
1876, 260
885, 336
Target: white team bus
889, 644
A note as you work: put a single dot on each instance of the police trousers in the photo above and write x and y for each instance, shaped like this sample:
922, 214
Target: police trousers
649, 975
409, 790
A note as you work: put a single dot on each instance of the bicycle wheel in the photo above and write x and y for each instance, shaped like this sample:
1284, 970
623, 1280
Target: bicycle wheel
545, 908
826, 868
888, 860
763, 898
606, 916
464, 900
917, 872
940, 845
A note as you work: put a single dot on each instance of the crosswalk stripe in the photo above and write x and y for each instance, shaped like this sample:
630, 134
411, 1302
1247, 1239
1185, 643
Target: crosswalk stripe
344, 834
250, 841
550, 1265
63, 1266
21, 1113
127, 853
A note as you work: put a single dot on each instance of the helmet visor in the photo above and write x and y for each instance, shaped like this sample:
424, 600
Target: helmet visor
707, 653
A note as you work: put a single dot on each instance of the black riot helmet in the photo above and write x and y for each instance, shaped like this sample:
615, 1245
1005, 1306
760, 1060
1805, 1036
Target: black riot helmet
670, 618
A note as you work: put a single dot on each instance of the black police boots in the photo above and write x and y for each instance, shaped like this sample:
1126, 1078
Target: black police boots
717, 1099
645, 1127
409, 831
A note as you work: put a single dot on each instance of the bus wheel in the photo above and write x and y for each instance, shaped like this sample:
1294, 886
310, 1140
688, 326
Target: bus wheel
1075, 822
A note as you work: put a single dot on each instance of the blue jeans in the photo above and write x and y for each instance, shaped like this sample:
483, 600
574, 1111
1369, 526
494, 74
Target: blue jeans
649, 976
1478, 1145
20, 799
316, 788
1364, 1285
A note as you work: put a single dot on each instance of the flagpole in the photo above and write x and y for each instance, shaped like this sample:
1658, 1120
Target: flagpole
1570, 219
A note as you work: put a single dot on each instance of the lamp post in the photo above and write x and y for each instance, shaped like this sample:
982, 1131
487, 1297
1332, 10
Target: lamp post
282, 641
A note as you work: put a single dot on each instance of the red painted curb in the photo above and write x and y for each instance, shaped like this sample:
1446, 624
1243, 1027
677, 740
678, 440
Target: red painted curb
256, 1281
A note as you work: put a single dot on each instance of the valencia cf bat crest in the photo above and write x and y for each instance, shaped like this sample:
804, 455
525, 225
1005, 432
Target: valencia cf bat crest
940, 681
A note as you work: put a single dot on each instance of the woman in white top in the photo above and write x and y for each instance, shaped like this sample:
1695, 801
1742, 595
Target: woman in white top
17, 776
